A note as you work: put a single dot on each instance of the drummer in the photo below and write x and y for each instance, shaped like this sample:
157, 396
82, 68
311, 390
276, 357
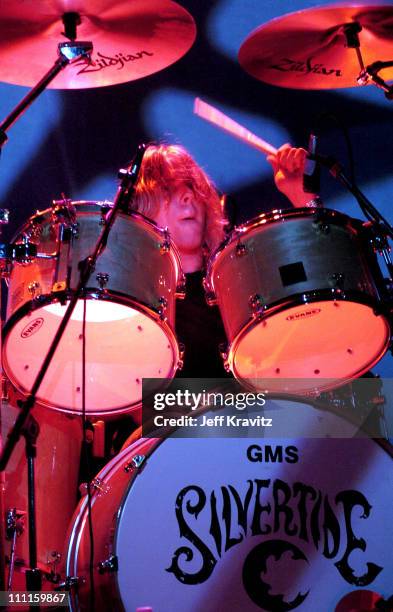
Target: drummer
175, 192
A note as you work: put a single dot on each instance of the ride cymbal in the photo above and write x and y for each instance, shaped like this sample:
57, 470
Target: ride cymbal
131, 39
308, 49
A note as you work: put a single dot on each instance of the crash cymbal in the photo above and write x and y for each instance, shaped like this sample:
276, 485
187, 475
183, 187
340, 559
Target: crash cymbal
131, 39
307, 49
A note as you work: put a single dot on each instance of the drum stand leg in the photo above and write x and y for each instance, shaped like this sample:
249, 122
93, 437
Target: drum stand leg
14, 528
30, 432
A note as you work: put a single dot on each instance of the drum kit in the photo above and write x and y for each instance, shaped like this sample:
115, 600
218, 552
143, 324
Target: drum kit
314, 315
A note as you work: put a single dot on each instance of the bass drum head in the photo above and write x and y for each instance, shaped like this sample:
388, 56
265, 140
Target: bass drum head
260, 523
310, 344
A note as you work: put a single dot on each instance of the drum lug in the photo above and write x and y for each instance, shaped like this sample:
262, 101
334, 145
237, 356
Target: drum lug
97, 485
63, 211
135, 463
165, 245
241, 249
102, 279
105, 208
34, 288
257, 305
223, 348
110, 565
209, 293
163, 305
336, 280
320, 224
181, 288
180, 362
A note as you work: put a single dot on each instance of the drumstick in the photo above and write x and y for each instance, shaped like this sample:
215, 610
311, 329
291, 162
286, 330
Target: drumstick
208, 112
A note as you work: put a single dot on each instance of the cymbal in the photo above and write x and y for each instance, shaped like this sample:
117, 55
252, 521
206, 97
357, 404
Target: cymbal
307, 49
131, 39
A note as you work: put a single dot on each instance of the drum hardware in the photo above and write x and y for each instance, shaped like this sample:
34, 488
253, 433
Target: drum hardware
223, 350
180, 361
34, 289
163, 306
135, 463
241, 249
104, 209
15, 526
370, 73
64, 212
66, 54
95, 485
181, 287
102, 279
336, 280
257, 305
110, 565
52, 562
209, 294
165, 244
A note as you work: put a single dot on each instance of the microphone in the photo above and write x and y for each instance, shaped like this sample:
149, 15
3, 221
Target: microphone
312, 170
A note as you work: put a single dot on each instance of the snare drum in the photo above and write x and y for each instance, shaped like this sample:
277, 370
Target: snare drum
56, 488
301, 297
130, 309
238, 523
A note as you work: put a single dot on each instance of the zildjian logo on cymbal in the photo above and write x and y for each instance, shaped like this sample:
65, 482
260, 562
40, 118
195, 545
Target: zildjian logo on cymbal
106, 61
305, 67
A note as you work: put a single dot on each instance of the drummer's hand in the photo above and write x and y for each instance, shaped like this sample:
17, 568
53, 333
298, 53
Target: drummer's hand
288, 167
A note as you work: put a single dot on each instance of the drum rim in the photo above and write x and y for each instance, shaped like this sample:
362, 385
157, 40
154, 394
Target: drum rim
34, 305
89, 206
300, 299
270, 218
79, 519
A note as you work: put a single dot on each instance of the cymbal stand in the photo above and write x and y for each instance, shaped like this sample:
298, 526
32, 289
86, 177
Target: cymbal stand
68, 52
382, 227
25, 425
369, 73
125, 191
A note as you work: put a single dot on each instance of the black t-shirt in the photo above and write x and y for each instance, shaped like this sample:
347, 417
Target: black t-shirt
199, 327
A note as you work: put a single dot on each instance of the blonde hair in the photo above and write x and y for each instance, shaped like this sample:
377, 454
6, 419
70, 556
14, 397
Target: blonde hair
164, 166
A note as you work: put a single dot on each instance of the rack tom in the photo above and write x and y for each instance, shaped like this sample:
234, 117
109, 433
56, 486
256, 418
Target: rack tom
130, 308
302, 300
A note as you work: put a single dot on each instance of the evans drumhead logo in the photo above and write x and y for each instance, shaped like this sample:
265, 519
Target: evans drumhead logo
304, 314
32, 328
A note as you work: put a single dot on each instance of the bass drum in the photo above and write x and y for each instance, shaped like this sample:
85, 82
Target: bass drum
302, 299
56, 480
239, 524
130, 309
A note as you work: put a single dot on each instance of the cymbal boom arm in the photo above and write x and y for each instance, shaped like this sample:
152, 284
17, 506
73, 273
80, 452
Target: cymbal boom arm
68, 52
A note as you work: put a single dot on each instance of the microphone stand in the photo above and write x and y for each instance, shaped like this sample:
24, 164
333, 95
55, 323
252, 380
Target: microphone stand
24, 423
